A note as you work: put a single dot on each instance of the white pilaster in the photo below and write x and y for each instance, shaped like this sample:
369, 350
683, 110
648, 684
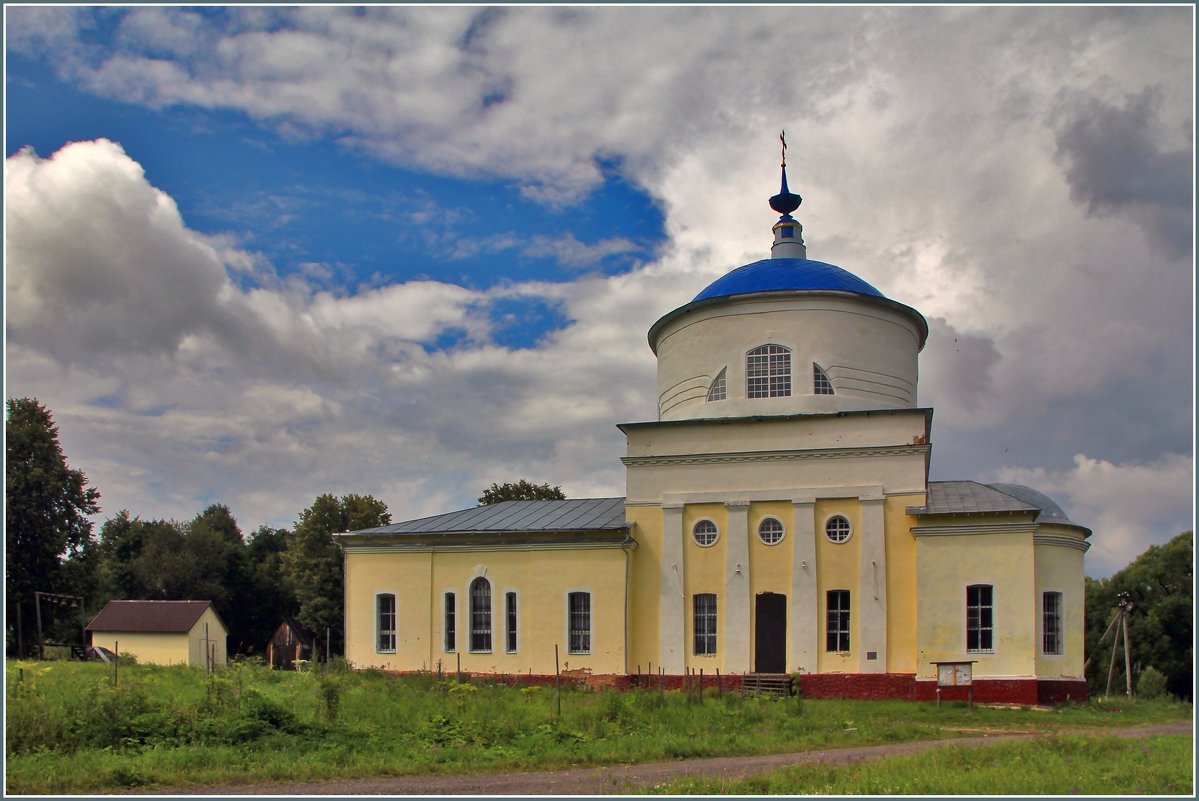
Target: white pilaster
671, 629
736, 594
803, 612
872, 589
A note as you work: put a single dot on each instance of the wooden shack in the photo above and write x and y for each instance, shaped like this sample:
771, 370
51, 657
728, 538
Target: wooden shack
289, 643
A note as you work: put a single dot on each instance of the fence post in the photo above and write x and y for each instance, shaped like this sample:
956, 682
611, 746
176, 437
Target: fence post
41, 645
557, 681
116, 660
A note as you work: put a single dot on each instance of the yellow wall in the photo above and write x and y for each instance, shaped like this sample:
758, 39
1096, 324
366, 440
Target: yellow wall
946, 565
837, 569
150, 649
703, 573
770, 565
1060, 569
646, 522
901, 583
216, 639
541, 579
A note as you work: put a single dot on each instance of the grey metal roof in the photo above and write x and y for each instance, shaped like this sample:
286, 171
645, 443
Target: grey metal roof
968, 497
1050, 511
585, 514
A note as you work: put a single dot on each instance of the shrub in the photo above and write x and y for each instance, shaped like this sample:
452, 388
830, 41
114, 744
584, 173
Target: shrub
1151, 684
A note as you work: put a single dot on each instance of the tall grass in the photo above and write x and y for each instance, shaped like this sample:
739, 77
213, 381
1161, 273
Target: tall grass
1054, 765
71, 730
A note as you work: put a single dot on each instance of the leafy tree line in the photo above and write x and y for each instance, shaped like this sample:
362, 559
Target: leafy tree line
1160, 587
253, 581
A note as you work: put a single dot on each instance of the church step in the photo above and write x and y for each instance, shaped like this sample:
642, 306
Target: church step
771, 683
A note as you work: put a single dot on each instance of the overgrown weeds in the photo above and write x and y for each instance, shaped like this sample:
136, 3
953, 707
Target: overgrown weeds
71, 730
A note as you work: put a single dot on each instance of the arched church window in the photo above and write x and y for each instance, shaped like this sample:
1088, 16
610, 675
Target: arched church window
820, 383
768, 372
716, 392
480, 614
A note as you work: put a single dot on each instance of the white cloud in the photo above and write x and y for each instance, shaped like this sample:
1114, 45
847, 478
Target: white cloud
1128, 507
952, 157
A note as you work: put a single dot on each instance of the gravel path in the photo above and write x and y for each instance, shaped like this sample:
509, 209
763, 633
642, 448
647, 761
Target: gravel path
618, 779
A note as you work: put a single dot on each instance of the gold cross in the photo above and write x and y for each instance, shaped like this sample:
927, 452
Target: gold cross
783, 139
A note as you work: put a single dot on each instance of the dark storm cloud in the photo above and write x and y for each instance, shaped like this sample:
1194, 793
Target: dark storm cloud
1115, 163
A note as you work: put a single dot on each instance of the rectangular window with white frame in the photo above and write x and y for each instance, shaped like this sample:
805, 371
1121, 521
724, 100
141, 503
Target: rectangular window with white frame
704, 623
1051, 623
385, 623
980, 621
837, 630
579, 622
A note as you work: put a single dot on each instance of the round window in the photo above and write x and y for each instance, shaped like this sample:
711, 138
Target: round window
705, 533
836, 528
770, 530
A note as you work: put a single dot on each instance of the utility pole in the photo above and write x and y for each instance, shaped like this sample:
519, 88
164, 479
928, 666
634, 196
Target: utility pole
1120, 621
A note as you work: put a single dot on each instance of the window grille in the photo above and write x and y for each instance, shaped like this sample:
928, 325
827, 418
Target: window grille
820, 383
979, 622
770, 530
1051, 622
716, 392
705, 533
480, 615
768, 372
705, 623
451, 634
838, 621
580, 622
837, 528
385, 604
510, 616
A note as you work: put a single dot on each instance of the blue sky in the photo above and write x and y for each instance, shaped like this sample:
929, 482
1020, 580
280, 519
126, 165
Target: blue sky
303, 202
254, 254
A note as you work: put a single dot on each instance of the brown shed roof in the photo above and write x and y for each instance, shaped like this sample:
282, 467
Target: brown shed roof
149, 616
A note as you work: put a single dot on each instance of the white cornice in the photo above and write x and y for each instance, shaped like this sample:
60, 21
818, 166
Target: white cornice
424, 547
953, 530
772, 456
1062, 541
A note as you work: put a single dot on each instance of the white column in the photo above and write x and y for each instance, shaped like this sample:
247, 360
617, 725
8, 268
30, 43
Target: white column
805, 627
736, 611
671, 631
872, 589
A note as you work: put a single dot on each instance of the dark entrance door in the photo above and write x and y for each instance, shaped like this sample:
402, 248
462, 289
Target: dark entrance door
770, 635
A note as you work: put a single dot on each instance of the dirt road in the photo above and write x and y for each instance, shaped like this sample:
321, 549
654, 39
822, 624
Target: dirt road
617, 779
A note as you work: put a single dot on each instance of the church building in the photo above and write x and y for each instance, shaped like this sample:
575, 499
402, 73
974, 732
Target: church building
777, 519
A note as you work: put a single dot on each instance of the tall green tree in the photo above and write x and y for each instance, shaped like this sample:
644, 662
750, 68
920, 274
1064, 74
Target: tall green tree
522, 490
1160, 587
46, 513
314, 562
270, 587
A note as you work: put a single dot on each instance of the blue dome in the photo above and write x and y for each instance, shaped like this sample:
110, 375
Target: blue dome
775, 275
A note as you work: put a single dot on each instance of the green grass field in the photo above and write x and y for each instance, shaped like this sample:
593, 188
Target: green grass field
1064, 764
70, 730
